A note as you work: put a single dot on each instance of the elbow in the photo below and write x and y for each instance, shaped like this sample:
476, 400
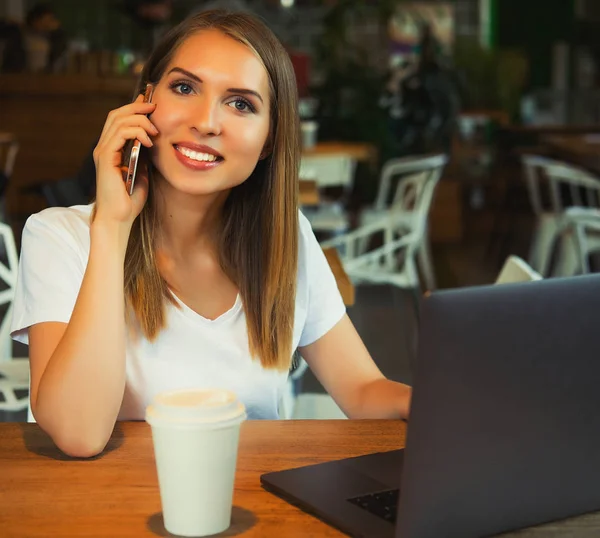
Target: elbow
79, 445
73, 438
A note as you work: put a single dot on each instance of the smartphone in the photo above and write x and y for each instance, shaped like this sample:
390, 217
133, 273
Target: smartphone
134, 152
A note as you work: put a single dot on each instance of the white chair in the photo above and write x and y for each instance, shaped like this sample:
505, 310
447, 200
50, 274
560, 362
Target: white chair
402, 227
516, 270
14, 376
429, 168
582, 226
14, 373
556, 178
330, 216
403, 223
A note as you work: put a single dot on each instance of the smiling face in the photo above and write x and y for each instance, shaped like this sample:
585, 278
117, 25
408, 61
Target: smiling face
212, 114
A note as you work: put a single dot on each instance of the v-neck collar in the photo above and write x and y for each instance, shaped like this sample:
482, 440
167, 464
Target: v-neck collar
194, 316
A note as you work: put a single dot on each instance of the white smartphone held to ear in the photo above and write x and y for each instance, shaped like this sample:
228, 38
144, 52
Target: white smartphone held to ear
135, 148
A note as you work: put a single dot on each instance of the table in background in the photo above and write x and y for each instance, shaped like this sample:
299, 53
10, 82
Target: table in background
308, 192
359, 151
580, 149
44, 493
341, 277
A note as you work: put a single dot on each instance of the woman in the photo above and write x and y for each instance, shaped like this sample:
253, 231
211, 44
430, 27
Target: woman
207, 275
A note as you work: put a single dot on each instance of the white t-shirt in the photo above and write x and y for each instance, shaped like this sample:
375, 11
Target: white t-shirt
191, 351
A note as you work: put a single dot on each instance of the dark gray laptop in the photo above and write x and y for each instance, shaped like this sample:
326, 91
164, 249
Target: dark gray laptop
505, 422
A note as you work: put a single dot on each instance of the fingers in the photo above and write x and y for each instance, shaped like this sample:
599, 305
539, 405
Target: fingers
132, 121
128, 119
111, 150
121, 136
129, 122
137, 107
124, 129
115, 115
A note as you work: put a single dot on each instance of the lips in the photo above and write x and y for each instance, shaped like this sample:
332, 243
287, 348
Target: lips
196, 157
198, 152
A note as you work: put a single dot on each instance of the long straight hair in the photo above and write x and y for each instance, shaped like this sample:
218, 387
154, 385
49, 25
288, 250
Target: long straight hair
258, 238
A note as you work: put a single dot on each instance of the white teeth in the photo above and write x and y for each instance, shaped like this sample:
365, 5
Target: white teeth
196, 155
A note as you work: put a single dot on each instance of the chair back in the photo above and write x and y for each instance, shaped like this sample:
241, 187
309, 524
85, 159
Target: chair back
584, 225
15, 372
430, 167
9, 262
559, 178
410, 205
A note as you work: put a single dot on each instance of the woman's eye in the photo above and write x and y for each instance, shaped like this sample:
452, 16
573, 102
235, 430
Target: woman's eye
183, 88
242, 105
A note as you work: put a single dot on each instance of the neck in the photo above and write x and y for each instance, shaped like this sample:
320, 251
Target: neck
187, 222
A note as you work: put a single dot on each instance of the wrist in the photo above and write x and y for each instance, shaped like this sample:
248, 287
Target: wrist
110, 234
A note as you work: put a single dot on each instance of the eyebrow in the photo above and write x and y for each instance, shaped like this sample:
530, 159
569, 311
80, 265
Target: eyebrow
243, 91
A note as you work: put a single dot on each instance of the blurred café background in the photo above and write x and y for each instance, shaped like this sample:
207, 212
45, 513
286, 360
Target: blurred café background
440, 139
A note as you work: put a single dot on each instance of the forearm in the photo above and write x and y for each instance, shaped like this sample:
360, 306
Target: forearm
384, 398
81, 390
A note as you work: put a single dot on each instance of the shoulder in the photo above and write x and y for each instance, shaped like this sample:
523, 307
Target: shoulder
75, 218
69, 225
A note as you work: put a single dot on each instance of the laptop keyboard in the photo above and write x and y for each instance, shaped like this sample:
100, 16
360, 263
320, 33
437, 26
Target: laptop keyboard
383, 503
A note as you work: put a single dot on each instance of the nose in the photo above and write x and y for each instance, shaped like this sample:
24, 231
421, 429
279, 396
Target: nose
206, 116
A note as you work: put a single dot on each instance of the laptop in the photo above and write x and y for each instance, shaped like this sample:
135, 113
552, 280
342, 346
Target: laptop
504, 430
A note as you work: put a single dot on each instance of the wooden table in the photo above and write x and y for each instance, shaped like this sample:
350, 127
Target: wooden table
580, 149
46, 494
308, 192
341, 277
357, 150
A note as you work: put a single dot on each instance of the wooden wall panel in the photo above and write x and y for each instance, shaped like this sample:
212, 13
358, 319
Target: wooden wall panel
57, 119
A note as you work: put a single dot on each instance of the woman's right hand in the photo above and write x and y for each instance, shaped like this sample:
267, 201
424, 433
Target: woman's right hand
113, 203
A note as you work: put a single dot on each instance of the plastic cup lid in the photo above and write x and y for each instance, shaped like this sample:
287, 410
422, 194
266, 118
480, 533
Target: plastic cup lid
195, 407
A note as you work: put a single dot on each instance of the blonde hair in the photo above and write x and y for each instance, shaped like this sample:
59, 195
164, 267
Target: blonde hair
258, 240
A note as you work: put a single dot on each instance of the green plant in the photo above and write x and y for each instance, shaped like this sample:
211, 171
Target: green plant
493, 78
352, 82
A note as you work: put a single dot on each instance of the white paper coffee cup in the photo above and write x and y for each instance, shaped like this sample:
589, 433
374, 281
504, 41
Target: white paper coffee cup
195, 435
